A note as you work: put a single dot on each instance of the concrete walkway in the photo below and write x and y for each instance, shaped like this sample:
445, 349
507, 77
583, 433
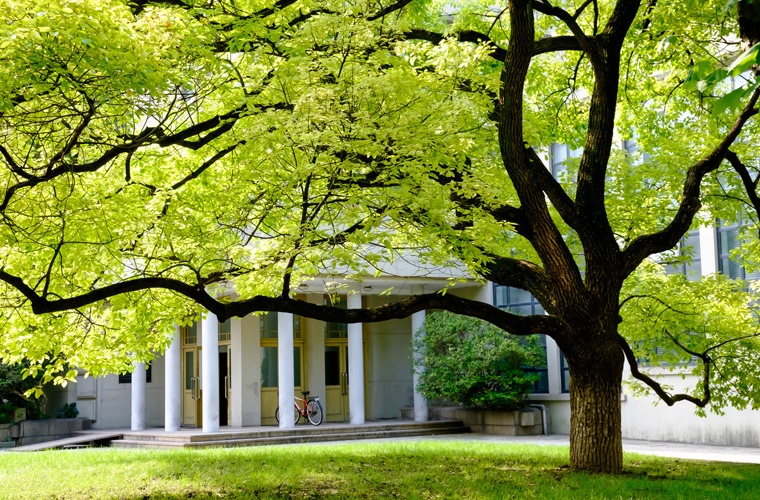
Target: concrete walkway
734, 454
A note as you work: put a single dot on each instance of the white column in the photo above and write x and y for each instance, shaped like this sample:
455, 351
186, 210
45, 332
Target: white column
285, 375
421, 413
355, 363
173, 384
139, 376
210, 372
245, 364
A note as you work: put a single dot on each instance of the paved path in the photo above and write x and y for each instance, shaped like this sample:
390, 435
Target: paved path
736, 454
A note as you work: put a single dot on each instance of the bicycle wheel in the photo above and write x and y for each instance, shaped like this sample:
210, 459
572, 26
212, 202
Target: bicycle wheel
314, 412
295, 410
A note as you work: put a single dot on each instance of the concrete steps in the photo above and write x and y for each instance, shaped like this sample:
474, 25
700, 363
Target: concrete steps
261, 436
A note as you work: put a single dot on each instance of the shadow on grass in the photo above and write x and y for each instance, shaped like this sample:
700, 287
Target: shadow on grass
377, 470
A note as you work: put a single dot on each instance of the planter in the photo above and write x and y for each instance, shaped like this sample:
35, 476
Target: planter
5, 432
39, 431
523, 422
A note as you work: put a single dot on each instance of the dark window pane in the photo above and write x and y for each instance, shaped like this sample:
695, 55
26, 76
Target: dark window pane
189, 367
268, 367
126, 378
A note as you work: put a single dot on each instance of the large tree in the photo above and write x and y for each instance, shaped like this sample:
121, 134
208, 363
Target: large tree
157, 155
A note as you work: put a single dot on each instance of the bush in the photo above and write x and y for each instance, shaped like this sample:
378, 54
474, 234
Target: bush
13, 387
6, 412
473, 363
68, 411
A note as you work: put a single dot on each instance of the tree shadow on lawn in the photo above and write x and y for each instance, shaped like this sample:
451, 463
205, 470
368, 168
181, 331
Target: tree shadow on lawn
411, 470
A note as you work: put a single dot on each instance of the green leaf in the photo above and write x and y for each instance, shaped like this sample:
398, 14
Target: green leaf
745, 61
731, 101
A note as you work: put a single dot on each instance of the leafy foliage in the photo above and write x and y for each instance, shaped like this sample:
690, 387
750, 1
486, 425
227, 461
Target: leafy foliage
164, 158
470, 362
14, 387
678, 326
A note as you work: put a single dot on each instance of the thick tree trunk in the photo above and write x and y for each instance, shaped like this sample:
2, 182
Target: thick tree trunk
596, 442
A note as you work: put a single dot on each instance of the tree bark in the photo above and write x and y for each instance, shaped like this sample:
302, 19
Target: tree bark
596, 441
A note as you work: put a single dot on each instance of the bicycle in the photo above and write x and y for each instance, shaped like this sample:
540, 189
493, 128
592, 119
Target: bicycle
312, 409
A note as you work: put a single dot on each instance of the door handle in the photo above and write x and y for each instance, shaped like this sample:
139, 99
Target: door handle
226, 387
344, 382
192, 387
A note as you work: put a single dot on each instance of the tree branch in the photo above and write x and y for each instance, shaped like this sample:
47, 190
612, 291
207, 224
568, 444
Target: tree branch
513, 323
750, 185
643, 246
669, 399
543, 46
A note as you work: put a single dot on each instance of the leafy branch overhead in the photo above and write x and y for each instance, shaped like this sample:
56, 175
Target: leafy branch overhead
160, 158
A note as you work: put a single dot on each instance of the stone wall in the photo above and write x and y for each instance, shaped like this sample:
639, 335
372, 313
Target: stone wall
40, 431
523, 422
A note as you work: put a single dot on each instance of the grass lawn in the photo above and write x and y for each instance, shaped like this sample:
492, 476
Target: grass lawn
408, 469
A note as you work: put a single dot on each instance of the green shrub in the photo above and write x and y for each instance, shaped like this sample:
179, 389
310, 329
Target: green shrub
6, 412
68, 411
13, 387
472, 363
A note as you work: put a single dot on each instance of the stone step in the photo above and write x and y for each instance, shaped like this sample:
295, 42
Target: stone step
300, 430
291, 438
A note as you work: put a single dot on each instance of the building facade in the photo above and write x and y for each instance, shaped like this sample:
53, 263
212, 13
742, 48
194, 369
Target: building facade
237, 373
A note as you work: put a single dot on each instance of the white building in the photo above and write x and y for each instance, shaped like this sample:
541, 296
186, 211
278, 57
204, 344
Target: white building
231, 374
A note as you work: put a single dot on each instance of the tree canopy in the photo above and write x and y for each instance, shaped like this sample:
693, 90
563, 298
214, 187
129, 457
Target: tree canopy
157, 155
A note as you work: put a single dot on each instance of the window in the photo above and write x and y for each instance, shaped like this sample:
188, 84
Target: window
190, 334
126, 378
689, 258
729, 238
268, 326
336, 330
632, 149
560, 154
564, 372
225, 330
269, 366
521, 302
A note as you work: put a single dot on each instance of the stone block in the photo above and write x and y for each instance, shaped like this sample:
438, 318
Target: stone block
527, 418
447, 413
500, 417
35, 428
502, 430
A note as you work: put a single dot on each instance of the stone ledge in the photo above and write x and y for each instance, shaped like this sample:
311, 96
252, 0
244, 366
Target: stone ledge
38, 431
523, 422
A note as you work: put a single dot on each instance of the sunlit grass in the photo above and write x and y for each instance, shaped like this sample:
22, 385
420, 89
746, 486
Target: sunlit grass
409, 469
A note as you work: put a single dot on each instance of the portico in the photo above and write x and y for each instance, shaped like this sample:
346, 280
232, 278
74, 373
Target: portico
236, 373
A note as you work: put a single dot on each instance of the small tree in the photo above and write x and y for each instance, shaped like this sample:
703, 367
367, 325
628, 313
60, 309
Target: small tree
473, 363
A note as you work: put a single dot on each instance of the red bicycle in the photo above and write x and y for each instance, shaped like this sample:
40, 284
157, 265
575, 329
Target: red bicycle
311, 409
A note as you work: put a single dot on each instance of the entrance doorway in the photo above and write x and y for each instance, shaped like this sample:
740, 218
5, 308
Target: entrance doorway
224, 384
336, 380
191, 393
